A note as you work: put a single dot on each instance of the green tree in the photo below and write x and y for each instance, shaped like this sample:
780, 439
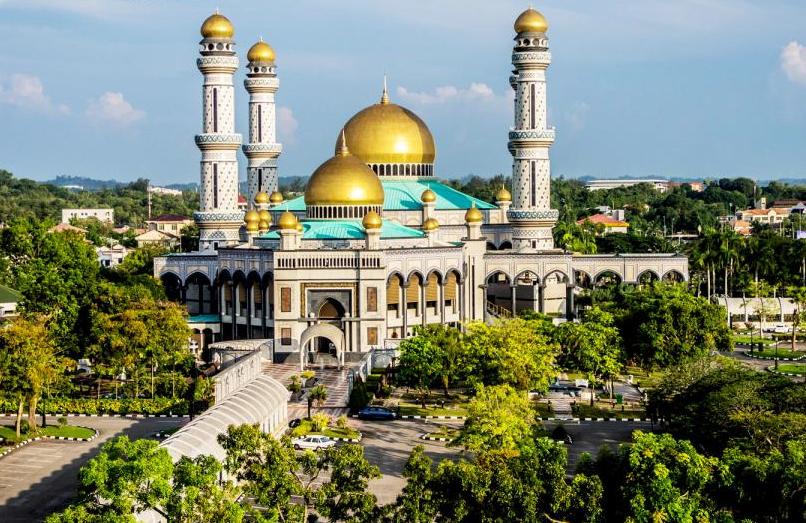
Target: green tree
498, 417
197, 496
318, 395
415, 504
344, 497
798, 296
418, 366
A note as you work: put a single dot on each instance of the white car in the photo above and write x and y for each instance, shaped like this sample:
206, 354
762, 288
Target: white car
313, 442
781, 329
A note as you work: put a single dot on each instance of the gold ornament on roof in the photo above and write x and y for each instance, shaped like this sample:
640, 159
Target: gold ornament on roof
431, 224
372, 220
264, 225
217, 26
262, 197
251, 218
473, 215
531, 21
428, 196
287, 221
300, 227
344, 180
503, 195
265, 216
276, 197
387, 133
261, 52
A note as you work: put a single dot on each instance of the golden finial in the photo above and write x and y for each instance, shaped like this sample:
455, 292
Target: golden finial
342, 150
385, 95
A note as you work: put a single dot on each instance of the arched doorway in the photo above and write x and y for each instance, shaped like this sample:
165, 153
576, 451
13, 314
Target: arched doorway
173, 286
673, 276
314, 336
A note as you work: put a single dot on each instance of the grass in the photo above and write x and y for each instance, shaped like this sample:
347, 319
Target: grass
642, 378
603, 410
68, 431
444, 432
411, 409
782, 353
305, 428
754, 339
792, 368
543, 409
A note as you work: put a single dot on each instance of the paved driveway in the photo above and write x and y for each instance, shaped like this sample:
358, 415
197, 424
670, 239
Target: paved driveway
42, 477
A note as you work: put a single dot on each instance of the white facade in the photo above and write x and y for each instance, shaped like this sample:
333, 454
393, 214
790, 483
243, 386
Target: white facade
596, 185
102, 215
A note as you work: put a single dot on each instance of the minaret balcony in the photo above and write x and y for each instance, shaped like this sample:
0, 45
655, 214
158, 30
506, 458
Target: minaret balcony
532, 135
262, 149
527, 58
218, 141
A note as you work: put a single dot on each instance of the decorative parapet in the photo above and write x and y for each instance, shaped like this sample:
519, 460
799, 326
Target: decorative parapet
273, 149
531, 57
213, 139
218, 63
533, 215
215, 217
533, 134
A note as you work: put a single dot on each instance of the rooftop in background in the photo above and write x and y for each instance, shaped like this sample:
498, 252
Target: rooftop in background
603, 219
347, 230
404, 195
170, 218
595, 185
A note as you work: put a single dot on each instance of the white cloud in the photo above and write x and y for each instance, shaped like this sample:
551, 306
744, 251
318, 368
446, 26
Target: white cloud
27, 91
113, 108
286, 125
793, 62
448, 93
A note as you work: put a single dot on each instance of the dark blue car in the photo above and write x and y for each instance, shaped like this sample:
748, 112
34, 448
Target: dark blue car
376, 413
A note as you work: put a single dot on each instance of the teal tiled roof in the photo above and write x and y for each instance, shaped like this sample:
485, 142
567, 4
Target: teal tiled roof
404, 195
347, 230
204, 318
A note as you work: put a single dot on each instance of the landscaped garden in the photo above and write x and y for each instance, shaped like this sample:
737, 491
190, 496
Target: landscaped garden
324, 425
780, 354
793, 368
8, 433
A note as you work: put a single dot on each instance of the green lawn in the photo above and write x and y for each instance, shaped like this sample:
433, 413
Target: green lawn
792, 368
412, 409
603, 410
782, 353
304, 429
68, 431
642, 378
754, 339
444, 432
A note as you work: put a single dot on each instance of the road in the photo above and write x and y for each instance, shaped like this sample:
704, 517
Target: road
42, 477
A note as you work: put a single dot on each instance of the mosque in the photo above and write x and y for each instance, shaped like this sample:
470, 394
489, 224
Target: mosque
377, 245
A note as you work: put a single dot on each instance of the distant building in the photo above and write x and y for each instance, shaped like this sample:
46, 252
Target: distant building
170, 223
597, 185
66, 227
166, 191
102, 215
9, 298
742, 227
611, 224
771, 216
111, 255
695, 186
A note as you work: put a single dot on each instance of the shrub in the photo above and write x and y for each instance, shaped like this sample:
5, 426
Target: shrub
319, 422
359, 397
308, 374
62, 421
106, 406
341, 422
24, 427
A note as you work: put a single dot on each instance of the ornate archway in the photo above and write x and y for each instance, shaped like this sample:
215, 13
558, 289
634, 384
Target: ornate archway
327, 331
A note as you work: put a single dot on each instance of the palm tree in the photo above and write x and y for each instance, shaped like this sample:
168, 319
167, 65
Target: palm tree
317, 394
728, 254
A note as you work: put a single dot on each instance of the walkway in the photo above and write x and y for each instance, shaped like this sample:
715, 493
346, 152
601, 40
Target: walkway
334, 380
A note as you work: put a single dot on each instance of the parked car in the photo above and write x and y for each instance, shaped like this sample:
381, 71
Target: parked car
313, 443
376, 413
781, 329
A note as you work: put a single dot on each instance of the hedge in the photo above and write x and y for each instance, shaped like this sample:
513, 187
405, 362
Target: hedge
103, 406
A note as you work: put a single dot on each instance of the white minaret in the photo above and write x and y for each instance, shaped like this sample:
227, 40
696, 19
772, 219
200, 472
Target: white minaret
219, 218
262, 149
531, 215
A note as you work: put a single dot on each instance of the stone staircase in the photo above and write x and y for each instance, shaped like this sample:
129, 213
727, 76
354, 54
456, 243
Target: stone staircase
561, 406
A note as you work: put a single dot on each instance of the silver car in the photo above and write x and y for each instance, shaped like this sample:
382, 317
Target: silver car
313, 443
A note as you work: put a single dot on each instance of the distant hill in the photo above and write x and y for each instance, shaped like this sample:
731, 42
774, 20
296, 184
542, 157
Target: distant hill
88, 184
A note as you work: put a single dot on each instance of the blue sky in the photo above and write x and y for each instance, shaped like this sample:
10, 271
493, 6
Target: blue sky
683, 88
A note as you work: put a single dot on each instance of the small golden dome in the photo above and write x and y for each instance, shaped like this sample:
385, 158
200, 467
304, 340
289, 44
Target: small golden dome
428, 196
217, 26
262, 197
251, 218
388, 133
264, 225
276, 197
265, 216
299, 227
531, 21
503, 195
431, 224
473, 215
287, 221
260, 52
372, 220
344, 180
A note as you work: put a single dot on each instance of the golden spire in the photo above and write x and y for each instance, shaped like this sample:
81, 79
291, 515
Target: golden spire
342, 150
385, 95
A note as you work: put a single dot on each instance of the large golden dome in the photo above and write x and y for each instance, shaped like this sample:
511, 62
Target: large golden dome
261, 52
344, 180
531, 21
217, 26
386, 133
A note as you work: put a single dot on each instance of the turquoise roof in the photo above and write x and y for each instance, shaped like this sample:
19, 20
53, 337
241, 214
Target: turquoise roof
404, 195
347, 230
204, 318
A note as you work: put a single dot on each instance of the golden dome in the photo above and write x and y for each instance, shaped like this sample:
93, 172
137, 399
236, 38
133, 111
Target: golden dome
388, 133
251, 218
217, 26
276, 197
265, 216
262, 197
263, 225
473, 215
287, 221
431, 224
503, 195
299, 227
531, 21
344, 180
260, 52
372, 220
428, 196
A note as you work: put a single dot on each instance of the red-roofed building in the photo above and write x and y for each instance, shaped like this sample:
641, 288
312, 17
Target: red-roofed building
609, 223
169, 223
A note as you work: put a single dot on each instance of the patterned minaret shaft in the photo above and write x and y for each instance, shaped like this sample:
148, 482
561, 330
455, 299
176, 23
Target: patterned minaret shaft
531, 215
262, 150
219, 218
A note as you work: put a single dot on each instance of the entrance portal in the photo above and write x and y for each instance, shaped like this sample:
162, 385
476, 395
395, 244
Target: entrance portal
320, 339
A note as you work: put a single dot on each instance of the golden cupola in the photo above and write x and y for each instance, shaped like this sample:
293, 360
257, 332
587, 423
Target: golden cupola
218, 27
343, 187
503, 195
531, 21
251, 219
428, 196
276, 197
372, 220
287, 220
261, 52
392, 140
261, 198
430, 225
473, 215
